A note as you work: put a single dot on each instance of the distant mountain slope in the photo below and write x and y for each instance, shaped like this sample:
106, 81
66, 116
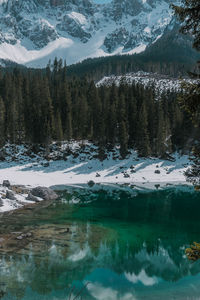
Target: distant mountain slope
172, 55
5, 63
34, 31
172, 46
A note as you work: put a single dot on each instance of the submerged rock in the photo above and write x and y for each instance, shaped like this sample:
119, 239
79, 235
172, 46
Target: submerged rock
2, 294
24, 235
44, 193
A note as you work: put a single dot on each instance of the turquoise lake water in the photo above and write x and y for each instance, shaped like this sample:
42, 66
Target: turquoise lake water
114, 243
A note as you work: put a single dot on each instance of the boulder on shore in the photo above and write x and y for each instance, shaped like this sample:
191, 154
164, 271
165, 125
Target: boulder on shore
10, 195
157, 172
44, 193
32, 197
91, 183
6, 183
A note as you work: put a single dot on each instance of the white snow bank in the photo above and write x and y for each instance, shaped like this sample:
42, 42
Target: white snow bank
80, 171
84, 168
7, 204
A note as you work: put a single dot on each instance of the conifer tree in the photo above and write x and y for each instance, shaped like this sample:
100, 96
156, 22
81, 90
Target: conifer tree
2, 122
27, 104
112, 117
82, 119
97, 117
12, 115
132, 117
123, 139
39, 106
46, 120
20, 126
190, 18
143, 145
58, 128
103, 94
123, 131
66, 111
32, 113
188, 13
163, 135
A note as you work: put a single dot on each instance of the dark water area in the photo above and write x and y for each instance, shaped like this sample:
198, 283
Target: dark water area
120, 243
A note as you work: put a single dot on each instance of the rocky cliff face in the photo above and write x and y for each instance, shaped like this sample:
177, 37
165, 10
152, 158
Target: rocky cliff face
37, 28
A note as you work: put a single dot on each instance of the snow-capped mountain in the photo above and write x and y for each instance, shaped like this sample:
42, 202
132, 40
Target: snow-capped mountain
34, 31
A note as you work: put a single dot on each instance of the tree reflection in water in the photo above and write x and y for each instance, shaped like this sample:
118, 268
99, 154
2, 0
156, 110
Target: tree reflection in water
127, 245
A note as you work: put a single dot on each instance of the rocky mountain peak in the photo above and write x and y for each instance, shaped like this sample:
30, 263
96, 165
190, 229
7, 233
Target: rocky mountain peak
121, 8
78, 29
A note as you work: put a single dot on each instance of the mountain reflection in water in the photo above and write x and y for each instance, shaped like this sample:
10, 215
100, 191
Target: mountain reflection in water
126, 244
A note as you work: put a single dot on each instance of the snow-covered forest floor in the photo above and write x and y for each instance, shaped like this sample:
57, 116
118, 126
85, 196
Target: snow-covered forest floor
77, 163
160, 83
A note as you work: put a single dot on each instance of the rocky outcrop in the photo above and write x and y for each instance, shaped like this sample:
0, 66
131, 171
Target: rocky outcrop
74, 28
41, 33
44, 193
125, 7
116, 39
57, 2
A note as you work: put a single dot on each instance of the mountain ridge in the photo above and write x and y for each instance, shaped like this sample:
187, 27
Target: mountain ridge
32, 32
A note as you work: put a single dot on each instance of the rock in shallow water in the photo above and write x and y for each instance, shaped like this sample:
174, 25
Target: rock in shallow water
44, 193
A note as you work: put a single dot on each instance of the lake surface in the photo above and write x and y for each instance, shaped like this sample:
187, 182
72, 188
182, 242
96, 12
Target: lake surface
117, 242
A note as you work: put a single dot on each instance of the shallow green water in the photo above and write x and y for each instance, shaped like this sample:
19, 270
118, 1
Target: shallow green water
125, 244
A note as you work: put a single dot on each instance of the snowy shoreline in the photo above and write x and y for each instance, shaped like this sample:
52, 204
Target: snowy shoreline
131, 170
80, 167
7, 205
